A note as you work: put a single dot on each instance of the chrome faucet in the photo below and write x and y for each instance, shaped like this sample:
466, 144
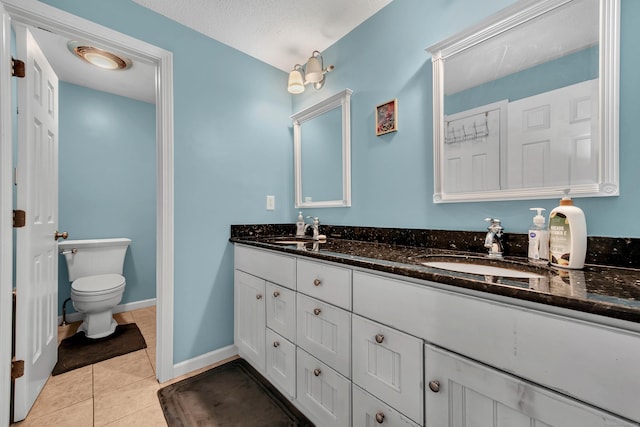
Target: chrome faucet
315, 227
493, 240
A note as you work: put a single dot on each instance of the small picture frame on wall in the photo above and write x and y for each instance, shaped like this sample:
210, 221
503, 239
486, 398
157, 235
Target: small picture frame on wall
387, 117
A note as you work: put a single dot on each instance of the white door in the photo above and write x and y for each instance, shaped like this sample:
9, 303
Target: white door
36, 246
250, 319
553, 139
460, 392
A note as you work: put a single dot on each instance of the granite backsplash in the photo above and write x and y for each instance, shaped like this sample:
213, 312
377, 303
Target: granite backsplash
611, 251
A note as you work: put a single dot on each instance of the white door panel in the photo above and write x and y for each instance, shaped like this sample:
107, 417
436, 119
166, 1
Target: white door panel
36, 247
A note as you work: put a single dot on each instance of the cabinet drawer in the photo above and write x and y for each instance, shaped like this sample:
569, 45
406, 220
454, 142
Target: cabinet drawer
325, 331
281, 310
459, 389
271, 266
324, 393
388, 364
281, 363
575, 357
369, 411
325, 282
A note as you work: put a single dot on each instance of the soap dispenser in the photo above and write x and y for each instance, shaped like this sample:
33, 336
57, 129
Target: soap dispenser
300, 225
567, 235
538, 239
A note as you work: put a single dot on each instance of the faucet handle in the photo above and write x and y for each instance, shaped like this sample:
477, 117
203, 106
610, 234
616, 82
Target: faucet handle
494, 223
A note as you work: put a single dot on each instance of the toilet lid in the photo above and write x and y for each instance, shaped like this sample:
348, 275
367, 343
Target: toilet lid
101, 283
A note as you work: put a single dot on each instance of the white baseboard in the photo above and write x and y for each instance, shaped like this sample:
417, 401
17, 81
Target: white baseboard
204, 360
75, 316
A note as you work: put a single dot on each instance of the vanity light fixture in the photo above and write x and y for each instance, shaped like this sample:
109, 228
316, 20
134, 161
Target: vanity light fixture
312, 72
99, 57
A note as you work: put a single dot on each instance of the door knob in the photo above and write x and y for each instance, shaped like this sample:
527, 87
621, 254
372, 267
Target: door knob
58, 235
434, 386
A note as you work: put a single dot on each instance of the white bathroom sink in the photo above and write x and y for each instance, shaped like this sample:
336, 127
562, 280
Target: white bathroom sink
486, 270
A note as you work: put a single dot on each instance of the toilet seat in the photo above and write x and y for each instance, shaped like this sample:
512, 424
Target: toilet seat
98, 285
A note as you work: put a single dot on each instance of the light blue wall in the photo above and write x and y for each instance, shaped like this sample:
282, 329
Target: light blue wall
385, 58
107, 158
233, 143
232, 148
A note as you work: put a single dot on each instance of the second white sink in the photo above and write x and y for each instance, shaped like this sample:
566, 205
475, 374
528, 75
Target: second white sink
486, 270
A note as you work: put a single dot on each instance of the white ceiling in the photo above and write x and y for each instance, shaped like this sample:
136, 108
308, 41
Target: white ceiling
278, 32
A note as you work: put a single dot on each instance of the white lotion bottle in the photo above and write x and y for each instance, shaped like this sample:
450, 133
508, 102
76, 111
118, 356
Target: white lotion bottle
300, 225
538, 239
567, 235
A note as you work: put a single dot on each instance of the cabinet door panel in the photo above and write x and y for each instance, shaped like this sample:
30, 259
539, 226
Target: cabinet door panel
325, 331
250, 321
326, 282
388, 364
281, 310
323, 392
371, 412
471, 394
281, 363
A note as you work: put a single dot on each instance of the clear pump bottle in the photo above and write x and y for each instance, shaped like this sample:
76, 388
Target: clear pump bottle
538, 239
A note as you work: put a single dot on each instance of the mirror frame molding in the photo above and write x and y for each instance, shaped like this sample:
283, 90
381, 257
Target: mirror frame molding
341, 99
608, 88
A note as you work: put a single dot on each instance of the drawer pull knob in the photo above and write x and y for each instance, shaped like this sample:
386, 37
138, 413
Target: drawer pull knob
317, 311
434, 386
258, 296
379, 417
317, 372
276, 294
379, 338
276, 344
316, 282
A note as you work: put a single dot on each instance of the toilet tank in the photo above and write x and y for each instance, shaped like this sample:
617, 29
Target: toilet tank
94, 256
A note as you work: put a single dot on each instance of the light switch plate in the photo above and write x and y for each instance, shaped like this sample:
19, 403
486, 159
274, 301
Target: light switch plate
271, 203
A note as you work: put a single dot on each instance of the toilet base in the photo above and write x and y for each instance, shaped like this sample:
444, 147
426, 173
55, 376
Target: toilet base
98, 325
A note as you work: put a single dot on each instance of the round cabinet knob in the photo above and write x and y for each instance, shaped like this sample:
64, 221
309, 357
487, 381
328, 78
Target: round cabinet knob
317, 372
58, 235
276, 344
317, 311
379, 338
259, 296
434, 386
316, 282
379, 417
276, 294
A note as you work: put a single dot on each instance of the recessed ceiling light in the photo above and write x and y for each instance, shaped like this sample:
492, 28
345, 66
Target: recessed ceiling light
98, 57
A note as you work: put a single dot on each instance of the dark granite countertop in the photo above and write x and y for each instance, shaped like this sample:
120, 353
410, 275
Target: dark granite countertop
609, 291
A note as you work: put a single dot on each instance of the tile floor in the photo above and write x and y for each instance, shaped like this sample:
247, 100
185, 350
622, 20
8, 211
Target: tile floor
116, 392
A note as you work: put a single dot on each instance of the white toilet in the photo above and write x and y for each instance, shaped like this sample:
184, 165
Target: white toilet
97, 284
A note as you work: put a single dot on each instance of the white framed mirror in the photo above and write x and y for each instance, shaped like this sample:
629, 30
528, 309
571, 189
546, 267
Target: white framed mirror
322, 153
525, 104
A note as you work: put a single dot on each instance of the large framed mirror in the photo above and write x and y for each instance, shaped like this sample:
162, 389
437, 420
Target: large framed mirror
525, 104
322, 153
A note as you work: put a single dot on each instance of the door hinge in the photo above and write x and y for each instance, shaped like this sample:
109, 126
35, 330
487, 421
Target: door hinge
17, 369
17, 68
19, 218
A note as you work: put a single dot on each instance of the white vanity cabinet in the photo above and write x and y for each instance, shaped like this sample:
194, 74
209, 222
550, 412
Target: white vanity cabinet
250, 320
352, 346
460, 389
